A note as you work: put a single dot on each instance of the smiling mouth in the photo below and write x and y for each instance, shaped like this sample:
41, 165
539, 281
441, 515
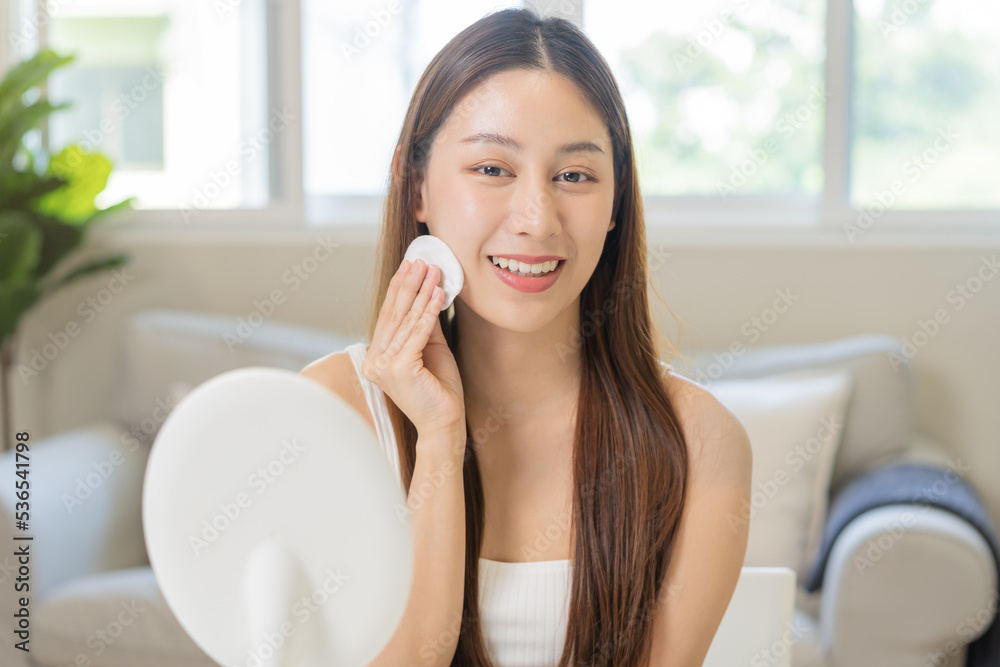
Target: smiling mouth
558, 266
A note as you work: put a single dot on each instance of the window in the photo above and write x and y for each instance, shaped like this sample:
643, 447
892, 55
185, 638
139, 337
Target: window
361, 62
803, 113
725, 98
927, 95
174, 93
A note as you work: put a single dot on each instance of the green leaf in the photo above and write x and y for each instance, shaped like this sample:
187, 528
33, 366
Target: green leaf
20, 246
17, 296
27, 74
101, 213
18, 188
59, 239
91, 266
86, 175
17, 121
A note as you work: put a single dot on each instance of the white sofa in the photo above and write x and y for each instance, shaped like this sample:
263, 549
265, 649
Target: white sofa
912, 609
95, 601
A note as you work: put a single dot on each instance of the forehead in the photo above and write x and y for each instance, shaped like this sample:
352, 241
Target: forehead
542, 108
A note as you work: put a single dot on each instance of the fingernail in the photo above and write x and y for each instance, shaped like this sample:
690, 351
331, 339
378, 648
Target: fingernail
414, 267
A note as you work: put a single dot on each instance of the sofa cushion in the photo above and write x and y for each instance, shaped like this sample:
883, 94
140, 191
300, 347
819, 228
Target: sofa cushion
879, 416
112, 619
795, 422
85, 485
166, 353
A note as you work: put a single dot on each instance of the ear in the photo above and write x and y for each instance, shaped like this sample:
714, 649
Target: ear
419, 186
419, 191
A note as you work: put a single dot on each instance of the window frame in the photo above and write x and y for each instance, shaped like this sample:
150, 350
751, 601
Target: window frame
837, 210
284, 210
697, 220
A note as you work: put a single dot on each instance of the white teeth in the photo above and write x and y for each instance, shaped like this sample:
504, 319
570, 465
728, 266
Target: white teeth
515, 266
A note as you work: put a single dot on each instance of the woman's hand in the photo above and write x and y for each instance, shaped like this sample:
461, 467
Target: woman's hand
409, 358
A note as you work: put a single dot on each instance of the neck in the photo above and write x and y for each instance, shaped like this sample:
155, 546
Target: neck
517, 378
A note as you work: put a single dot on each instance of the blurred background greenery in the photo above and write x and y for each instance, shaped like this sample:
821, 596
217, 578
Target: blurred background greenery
723, 95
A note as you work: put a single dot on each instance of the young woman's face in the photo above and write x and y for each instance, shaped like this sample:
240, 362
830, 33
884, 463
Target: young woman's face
522, 166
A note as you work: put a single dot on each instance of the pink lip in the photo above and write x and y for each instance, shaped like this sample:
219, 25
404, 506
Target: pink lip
525, 284
529, 259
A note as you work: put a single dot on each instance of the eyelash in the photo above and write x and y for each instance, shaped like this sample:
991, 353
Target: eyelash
493, 166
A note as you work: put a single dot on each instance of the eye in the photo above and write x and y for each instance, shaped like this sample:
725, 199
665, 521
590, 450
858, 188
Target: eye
490, 166
578, 174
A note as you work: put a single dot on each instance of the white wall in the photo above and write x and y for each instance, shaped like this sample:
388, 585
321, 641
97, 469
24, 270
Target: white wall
716, 289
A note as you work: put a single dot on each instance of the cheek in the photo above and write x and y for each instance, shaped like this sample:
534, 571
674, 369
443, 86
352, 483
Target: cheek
462, 205
590, 245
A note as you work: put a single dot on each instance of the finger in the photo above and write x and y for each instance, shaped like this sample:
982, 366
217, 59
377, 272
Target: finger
385, 327
425, 324
436, 335
417, 307
408, 291
394, 283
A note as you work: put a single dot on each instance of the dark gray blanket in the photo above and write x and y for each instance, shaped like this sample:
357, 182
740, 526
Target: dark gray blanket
920, 485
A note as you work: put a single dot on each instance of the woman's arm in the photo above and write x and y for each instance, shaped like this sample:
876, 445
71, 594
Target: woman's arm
710, 548
428, 632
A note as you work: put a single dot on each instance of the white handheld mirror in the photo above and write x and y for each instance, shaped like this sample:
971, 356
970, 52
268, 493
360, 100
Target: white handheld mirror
277, 531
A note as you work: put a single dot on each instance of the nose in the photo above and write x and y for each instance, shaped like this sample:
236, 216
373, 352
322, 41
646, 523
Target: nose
536, 209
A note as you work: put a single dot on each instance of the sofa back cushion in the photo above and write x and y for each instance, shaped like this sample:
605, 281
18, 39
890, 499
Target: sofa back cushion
795, 422
166, 353
879, 416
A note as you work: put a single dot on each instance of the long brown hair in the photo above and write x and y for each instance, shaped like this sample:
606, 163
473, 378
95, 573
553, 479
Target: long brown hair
630, 461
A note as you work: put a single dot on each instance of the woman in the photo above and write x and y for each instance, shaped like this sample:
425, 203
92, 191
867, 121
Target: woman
568, 494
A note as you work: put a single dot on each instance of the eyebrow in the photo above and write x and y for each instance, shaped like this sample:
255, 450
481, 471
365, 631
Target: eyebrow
507, 142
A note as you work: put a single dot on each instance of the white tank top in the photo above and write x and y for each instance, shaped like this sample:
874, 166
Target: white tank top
523, 606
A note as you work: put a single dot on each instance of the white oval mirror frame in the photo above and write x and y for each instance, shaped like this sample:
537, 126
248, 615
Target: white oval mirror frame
275, 527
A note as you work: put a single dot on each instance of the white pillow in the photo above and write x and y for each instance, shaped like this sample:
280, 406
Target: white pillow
795, 421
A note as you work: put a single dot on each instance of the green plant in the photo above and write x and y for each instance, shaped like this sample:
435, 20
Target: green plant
44, 212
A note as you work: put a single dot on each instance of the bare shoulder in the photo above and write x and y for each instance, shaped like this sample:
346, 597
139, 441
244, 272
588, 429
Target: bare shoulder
333, 364
718, 444
710, 548
336, 372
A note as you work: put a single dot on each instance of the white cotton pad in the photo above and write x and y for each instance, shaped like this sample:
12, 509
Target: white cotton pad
433, 250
